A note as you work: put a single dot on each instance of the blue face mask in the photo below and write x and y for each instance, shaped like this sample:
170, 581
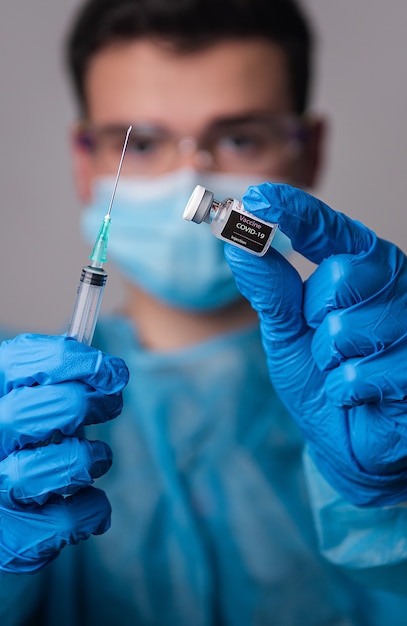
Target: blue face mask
177, 262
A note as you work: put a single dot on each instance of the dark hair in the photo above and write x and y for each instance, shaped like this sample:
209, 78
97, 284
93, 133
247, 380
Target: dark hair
188, 25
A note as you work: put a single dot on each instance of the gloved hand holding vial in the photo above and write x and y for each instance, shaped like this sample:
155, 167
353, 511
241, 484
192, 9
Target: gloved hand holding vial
333, 337
335, 354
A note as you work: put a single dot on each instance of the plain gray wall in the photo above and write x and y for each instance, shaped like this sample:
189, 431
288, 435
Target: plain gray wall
360, 85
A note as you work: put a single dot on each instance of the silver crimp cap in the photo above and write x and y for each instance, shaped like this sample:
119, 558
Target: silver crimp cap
198, 205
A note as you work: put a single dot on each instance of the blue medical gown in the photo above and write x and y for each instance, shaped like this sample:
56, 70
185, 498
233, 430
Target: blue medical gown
212, 522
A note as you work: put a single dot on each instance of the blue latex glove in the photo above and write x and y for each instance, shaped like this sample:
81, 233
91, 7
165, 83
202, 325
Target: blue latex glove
337, 344
49, 388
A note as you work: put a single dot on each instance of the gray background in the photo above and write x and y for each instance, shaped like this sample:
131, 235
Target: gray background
361, 85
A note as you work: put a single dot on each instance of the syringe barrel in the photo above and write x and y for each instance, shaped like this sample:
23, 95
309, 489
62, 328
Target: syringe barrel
87, 304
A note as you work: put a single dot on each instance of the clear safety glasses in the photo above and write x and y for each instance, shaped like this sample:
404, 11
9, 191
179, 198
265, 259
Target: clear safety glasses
249, 144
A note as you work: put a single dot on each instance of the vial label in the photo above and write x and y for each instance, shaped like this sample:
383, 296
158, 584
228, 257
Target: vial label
247, 231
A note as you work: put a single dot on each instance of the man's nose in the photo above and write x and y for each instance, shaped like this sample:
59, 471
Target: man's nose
192, 155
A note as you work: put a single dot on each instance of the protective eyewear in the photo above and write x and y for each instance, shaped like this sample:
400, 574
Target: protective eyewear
248, 144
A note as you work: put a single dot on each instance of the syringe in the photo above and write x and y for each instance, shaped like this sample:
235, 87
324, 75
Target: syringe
93, 277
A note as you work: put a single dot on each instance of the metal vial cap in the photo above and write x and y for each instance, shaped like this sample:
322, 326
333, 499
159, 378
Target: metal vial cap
198, 205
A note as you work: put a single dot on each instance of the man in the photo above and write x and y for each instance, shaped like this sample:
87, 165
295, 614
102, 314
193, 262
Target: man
212, 519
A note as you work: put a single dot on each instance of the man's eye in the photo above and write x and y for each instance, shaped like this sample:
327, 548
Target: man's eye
239, 141
143, 146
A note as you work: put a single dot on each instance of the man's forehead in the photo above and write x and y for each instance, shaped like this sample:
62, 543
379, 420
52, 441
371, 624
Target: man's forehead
144, 78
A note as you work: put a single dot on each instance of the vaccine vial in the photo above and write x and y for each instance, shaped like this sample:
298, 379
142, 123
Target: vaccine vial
230, 221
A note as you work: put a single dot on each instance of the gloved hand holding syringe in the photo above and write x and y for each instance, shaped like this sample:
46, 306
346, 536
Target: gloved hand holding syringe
51, 387
93, 277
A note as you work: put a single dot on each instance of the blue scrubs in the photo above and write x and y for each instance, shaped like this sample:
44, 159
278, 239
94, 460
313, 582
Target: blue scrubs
214, 520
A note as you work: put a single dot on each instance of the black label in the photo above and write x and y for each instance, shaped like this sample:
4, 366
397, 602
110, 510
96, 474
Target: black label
246, 231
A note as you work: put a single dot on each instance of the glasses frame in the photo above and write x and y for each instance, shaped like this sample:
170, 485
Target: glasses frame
292, 133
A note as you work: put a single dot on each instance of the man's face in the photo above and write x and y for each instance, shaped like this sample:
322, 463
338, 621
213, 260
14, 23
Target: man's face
205, 110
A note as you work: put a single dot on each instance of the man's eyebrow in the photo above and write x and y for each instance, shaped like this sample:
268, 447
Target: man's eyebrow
221, 123
245, 118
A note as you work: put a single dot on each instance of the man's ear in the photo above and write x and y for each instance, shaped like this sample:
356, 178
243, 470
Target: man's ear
312, 158
81, 156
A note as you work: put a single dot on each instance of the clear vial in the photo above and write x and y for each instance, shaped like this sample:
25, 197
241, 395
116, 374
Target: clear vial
230, 221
